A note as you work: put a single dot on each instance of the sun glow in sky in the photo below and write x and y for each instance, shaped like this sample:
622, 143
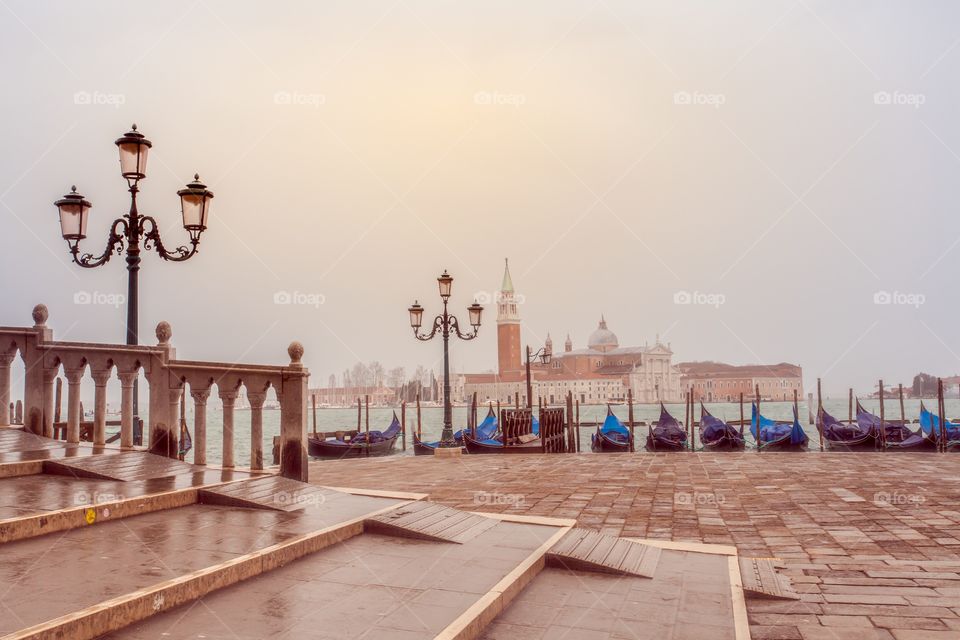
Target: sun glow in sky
795, 160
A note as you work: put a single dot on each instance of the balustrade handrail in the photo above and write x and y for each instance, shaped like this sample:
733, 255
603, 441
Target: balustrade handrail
167, 378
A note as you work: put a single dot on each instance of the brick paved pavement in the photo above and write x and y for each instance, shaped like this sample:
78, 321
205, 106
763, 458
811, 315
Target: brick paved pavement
871, 540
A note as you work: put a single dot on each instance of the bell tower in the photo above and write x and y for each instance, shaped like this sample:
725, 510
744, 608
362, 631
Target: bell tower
508, 326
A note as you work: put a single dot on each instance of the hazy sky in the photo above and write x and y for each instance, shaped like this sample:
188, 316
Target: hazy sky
790, 159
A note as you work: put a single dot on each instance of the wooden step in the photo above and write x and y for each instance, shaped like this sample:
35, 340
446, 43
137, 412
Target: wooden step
585, 550
762, 580
430, 521
126, 466
270, 492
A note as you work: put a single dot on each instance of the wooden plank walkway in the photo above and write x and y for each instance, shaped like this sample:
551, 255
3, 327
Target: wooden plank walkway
762, 580
126, 466
270, 492
430, 521
587, 550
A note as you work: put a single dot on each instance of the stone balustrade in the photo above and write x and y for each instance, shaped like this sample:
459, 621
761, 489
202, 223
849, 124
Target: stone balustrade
167, 380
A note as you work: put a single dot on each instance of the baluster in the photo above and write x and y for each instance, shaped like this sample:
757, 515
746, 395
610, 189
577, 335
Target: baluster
174, 399
100, 379
6, 359
126, 408
200, 397
49, 375
74, 376
256, 399
229, 399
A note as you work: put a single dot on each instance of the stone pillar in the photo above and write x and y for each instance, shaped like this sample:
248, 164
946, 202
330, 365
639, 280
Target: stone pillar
200, 397
174, 412
293, 417
6, 359
100, 379
74, 376
49, 375
164, 427
256, 400
126, 409
229, 399
18, 413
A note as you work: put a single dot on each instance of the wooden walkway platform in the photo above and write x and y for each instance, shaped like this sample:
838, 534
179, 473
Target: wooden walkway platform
270, 492
585, 550
761, 579
430, 521
126, 466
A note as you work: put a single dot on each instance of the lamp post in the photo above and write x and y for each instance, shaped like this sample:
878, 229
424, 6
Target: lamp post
447, 325
129, 230
545, 356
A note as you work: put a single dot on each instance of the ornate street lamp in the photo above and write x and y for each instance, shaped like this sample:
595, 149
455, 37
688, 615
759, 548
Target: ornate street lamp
545, 355
447, 325
127, 232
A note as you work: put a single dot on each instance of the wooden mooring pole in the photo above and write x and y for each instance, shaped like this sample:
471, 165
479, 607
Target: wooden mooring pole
630, 417
820, 413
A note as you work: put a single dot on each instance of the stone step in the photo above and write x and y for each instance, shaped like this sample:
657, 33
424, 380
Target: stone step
592, 551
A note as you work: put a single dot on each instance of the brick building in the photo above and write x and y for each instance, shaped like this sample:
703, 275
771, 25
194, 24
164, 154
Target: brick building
719, 382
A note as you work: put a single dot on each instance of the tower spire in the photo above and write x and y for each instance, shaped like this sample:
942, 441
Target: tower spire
507, 286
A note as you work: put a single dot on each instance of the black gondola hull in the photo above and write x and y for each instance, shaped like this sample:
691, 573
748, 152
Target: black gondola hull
325, 449
600, 443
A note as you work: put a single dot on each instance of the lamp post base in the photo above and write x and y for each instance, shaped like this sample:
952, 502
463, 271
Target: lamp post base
448, 452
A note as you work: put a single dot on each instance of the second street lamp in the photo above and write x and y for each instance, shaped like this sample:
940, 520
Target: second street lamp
128, 231
447, 325
545, 356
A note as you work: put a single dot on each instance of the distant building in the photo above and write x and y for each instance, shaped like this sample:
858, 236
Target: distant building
719, 382
347, 396
602, 372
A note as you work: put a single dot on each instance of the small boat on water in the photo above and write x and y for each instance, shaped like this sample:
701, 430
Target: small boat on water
782, 436
931, 433
717, 435
611, 436
519, 437
896, 435
485, 430
848, 436
376, 443
667, 434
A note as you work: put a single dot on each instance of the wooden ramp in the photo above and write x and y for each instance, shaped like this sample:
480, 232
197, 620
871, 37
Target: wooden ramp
125, 466
585, 550
762, 580
430, 521
15, 441
270, 492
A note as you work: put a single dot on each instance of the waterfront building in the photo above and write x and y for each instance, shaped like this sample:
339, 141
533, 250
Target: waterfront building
347, 396
720, 382
601, 372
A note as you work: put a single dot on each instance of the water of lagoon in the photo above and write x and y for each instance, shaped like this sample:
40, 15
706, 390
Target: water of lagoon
432, 419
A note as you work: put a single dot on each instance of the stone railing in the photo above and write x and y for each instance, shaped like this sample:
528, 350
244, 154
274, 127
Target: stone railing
167, 380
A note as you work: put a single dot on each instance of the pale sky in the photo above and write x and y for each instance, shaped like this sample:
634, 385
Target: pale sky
788, 159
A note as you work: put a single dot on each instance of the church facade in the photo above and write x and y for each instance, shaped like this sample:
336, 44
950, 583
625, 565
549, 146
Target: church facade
598, 373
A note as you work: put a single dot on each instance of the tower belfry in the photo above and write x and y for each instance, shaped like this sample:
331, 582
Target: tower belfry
508, 325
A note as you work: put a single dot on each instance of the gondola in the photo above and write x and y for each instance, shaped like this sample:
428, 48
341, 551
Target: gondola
611, 436
930, 430
780, 436
486, 429
852, 436
378, 443
717, 435
667, 434
896, 435
494, 443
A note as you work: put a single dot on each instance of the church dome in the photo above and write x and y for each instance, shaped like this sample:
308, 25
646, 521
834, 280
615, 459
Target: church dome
603, 339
